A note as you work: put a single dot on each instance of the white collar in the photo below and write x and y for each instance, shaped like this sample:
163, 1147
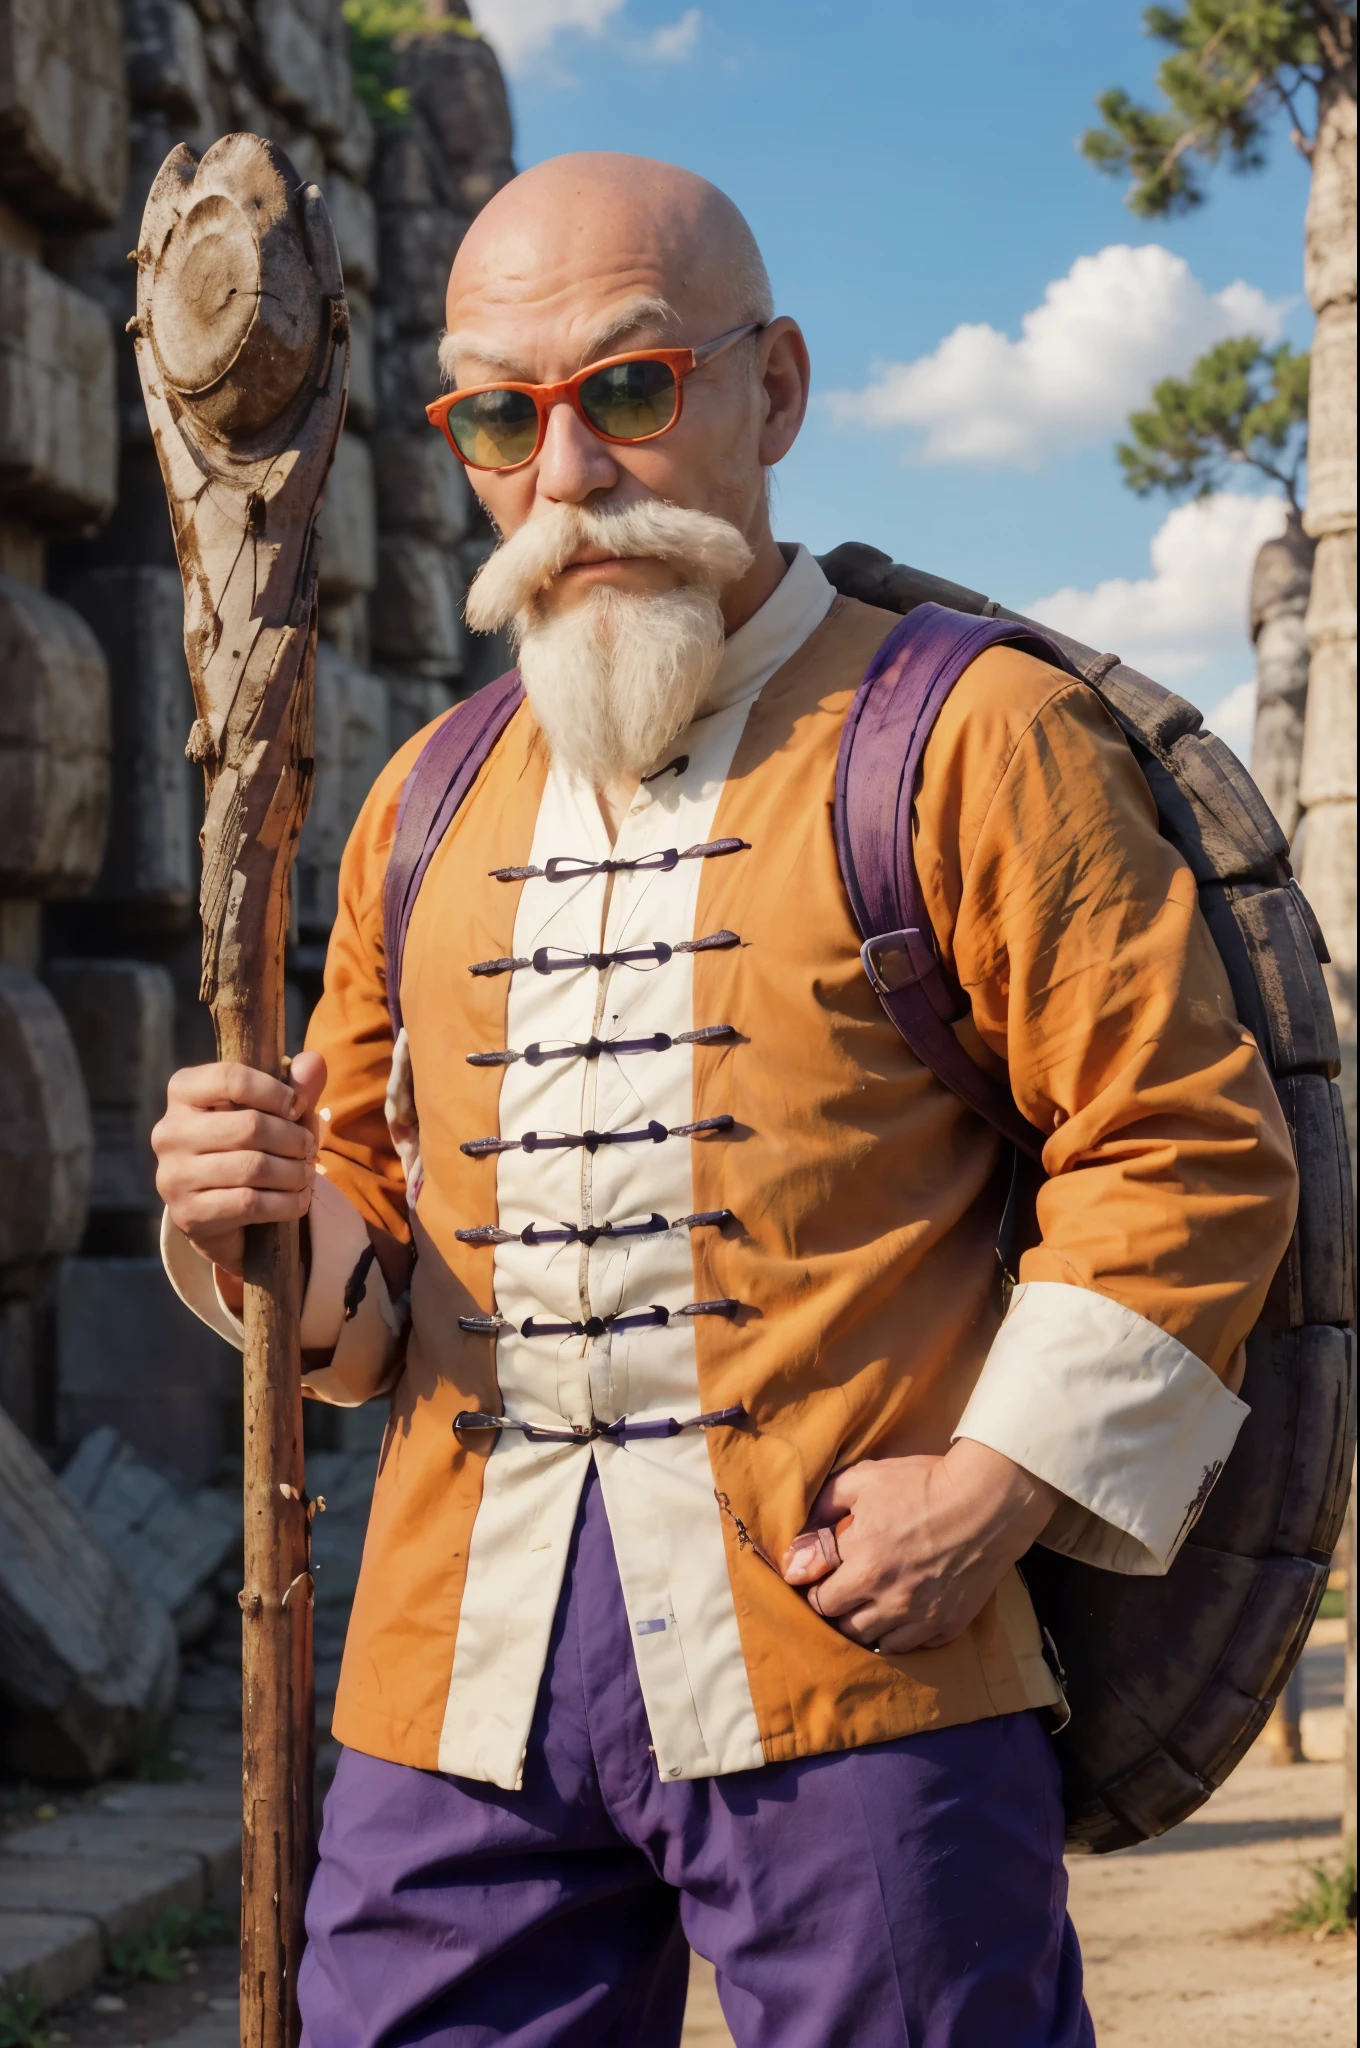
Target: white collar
789, 616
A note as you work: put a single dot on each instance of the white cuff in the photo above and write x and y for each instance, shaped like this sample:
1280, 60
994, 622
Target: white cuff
1118, 1416
365, 1360
194, 1280
367, 1354
339, 1240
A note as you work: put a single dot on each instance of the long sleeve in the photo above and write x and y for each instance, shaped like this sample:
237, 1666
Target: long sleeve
1075, 931
358, 1231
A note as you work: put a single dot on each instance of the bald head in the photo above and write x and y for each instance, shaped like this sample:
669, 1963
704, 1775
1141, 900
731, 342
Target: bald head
594, 249
593, 256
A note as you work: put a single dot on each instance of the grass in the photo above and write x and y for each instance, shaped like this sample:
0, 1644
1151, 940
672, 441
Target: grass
1333, 1606
21, 2021
1327, 1904
159, 1952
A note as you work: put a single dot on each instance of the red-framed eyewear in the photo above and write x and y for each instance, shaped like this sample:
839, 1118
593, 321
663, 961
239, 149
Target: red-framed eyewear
633, 397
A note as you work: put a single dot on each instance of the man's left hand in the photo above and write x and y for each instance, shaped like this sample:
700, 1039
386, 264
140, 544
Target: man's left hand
923, 1543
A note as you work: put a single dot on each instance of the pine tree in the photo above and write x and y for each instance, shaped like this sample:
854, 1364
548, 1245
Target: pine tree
1244, 406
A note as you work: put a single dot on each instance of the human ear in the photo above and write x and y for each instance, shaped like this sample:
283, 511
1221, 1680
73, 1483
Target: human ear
785, 377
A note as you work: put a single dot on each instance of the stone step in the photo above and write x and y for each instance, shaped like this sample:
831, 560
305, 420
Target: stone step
51, 1956
121, 1894
70, 1886
213, 1839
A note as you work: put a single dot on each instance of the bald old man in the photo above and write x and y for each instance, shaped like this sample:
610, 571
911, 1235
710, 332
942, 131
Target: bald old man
689, 1610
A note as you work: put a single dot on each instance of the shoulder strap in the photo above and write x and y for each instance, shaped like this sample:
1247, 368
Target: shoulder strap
444, 772
885, 736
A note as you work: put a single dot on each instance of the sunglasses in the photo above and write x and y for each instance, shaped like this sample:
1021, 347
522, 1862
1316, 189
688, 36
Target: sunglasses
626, 398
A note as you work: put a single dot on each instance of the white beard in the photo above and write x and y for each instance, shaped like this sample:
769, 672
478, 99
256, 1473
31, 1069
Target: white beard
613, 680
615, 677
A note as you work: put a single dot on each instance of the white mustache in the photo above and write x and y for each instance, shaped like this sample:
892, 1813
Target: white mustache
709, 552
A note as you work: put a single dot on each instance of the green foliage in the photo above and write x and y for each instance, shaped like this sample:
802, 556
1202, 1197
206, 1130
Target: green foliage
1234, 64
378, 31
20, 2021
1242, 404
1333, 1606
1327, 1906
158, 1952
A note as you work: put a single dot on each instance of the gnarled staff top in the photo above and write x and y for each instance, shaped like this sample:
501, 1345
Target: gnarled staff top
242, 348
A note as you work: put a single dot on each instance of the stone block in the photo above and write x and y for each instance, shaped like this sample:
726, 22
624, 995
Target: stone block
217, 1793
414, 705
408, 378
347, 523
352, 151
356, 230
363, 387
458, 98
214, 1842
54, 746
344, 623
121, 1015
51, 1956
46, 1146
137, 616
417, 245
121, 1894
489, 655
422, 487
87, 1666
131, 1356
1331, 422
416, 612
167, 64
353, 719
169, 1542
304, 55
304, 152
63, 109
58, 411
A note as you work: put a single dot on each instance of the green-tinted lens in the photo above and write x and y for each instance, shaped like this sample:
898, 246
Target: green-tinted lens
629, 401
494, 429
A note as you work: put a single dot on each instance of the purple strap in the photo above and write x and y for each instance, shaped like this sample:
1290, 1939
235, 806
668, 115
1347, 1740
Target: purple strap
441, 778
885, 737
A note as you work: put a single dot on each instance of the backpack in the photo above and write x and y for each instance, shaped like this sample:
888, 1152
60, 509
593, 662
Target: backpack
1168, 1680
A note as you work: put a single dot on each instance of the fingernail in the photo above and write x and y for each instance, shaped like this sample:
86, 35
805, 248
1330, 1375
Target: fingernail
802, 1555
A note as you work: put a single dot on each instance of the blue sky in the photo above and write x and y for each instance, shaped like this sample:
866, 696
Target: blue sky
910, 170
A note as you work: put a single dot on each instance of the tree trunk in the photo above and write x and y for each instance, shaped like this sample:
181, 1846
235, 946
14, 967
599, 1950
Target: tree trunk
242, 349
1327, 788
1280, 584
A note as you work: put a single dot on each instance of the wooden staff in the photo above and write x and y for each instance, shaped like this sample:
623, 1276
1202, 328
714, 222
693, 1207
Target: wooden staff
243, 351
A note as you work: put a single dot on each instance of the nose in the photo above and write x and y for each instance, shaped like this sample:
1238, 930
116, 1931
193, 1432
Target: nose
573, 463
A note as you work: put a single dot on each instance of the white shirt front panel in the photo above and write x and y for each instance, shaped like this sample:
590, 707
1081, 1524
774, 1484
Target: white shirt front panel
658, 1492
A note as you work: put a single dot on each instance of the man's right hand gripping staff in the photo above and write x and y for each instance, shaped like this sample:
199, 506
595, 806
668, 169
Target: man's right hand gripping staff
237, 1147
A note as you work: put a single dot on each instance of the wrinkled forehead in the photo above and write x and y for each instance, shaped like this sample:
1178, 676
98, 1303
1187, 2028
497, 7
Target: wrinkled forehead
537, 296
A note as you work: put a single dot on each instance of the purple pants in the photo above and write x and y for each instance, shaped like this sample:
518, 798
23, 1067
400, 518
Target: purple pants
906, 1895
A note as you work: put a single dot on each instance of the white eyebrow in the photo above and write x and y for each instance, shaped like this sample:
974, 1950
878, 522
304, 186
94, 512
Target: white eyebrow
645, 310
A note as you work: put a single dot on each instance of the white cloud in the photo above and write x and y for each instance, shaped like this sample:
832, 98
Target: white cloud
1233, 718
1192, 609
1084, 359
522, 29
674, 44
